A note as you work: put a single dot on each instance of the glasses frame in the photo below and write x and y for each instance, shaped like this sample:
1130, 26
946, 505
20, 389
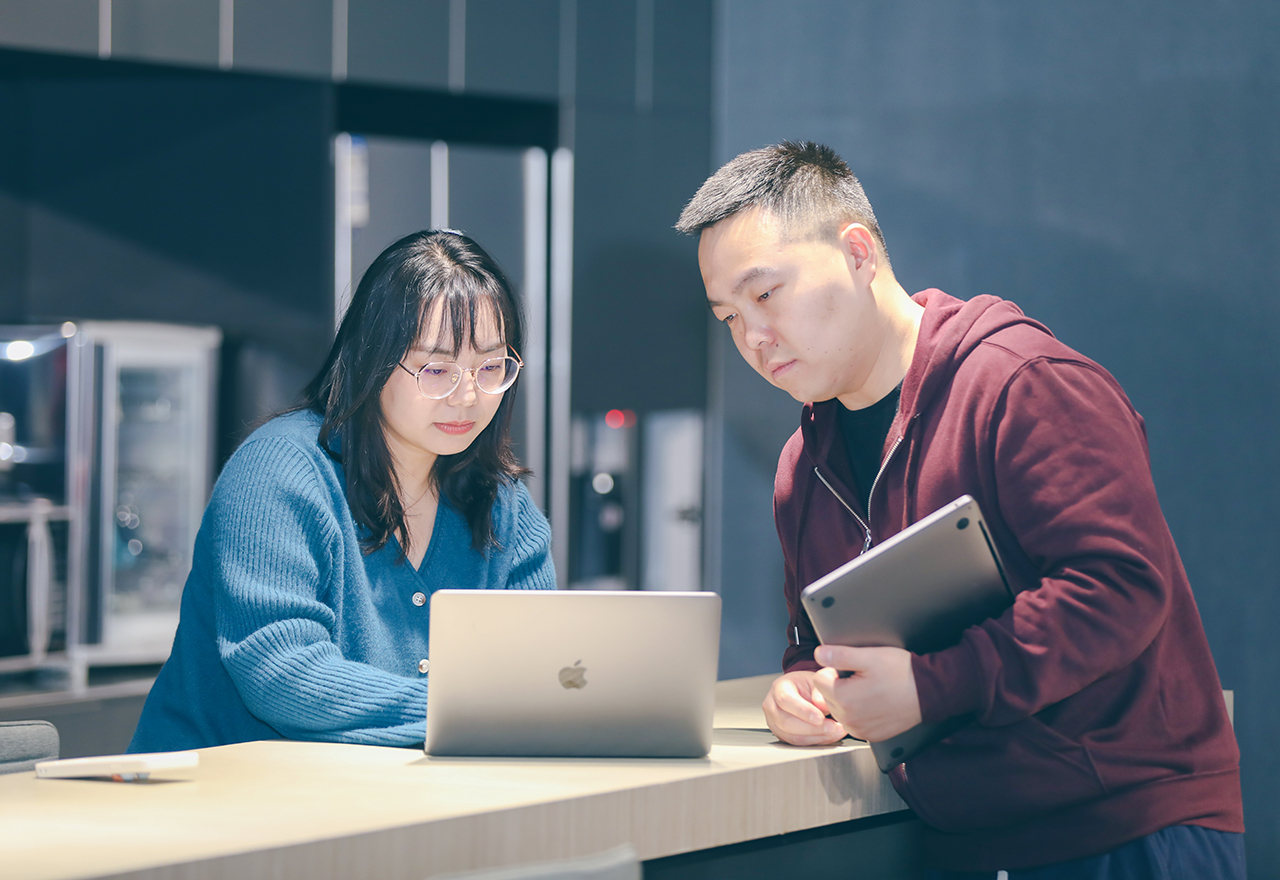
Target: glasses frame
461, 372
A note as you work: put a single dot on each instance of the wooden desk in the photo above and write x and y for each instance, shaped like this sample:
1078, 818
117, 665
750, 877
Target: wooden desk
317, 810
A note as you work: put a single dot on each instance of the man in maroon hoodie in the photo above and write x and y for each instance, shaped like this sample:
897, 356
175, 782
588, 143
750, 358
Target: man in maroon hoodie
1099, 744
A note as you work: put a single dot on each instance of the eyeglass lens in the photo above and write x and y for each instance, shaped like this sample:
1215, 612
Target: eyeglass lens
437, 380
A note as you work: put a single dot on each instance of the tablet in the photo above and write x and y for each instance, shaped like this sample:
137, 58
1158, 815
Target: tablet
919, 590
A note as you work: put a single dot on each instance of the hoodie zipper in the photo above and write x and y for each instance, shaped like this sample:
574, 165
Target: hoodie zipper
901, 769
866, 544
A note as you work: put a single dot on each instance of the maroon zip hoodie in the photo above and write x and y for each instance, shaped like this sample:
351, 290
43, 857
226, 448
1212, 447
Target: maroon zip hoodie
1098, 714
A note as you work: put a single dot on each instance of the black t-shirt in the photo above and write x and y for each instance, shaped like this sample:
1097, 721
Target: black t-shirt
865, 431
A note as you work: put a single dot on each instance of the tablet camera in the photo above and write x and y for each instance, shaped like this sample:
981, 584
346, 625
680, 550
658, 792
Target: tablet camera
962, 522
828, 601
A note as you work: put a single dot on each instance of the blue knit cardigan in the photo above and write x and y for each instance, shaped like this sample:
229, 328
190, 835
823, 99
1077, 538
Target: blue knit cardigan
288, 630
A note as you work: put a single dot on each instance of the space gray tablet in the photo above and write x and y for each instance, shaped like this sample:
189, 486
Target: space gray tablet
918, 590
572, 673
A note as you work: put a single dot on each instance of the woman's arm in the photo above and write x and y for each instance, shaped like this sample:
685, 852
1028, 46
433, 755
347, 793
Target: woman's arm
528, 541
273, 558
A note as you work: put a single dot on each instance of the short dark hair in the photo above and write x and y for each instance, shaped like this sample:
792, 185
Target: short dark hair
387, 315
805, 185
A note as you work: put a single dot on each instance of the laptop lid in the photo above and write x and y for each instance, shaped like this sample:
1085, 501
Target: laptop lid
572, 673
918, 590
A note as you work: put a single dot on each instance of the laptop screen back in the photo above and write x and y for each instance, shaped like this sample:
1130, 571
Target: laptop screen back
572, 673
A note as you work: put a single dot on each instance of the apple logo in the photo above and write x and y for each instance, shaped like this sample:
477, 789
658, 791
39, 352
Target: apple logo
571, 677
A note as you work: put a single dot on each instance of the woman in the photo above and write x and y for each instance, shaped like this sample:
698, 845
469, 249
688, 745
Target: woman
306, 612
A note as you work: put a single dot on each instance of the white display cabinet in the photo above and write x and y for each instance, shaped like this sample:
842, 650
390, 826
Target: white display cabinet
41, 522
106, 460
151, 461
34, 590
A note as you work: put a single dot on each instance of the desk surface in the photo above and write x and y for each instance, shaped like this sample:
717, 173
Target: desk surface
316, 810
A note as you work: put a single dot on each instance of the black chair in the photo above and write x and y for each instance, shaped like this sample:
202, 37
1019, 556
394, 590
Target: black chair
23, 743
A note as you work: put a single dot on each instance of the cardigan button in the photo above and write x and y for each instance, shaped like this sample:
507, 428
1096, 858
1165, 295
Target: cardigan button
424, 665
419, 599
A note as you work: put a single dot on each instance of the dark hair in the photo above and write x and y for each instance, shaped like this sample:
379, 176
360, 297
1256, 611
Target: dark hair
805, 185
422, 271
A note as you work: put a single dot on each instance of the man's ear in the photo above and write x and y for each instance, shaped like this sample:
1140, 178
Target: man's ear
859, 245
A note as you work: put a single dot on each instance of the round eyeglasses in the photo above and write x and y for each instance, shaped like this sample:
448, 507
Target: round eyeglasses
438, 379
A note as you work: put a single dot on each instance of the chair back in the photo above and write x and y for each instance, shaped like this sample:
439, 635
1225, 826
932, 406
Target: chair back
24, 743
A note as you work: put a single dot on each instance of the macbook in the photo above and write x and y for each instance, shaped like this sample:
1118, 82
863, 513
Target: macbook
918, 590
572, 673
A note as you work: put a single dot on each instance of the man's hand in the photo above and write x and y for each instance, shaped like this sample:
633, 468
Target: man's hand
797, 714
878, 701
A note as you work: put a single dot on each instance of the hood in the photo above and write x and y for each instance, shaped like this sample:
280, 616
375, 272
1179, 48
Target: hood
949, 331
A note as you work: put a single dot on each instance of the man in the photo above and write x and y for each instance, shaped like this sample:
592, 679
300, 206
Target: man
1100, 745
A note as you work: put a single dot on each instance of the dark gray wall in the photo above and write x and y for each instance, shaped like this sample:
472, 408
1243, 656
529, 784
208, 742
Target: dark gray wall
285, 36
639, 333
512, 47
13, 206
1112, 169
199, 198
161, 30
390, 41
53, 25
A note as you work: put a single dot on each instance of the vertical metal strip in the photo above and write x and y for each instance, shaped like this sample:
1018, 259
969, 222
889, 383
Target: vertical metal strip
226, 33
713, 445
561, 354
341, 226
568, 70
80, 419
644, 55
104, 28
108, 475
457, 45
39, 579
534, 383
439, 185
341, 15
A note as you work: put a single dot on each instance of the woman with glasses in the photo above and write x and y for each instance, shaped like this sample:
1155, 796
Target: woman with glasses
306, 612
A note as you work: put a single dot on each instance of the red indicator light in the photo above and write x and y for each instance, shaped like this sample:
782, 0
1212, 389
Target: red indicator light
628, 418
615, 418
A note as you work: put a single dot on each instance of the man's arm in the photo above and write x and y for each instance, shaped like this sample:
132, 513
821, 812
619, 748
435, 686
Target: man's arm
1074, 486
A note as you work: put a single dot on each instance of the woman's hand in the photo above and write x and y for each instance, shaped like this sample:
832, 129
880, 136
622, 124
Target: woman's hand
797, 713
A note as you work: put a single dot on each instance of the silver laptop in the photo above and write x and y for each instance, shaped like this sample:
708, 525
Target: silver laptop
572, 673
918, 590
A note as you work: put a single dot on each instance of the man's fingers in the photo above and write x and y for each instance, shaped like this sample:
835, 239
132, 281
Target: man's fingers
796, 731
842, 657
793, 716
817, 699
823, 739
788, 699
824, 682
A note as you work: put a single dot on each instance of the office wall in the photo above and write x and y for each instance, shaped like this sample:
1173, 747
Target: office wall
633, 77
642, 140
13, 211
1112, 170
195, 198
198, 200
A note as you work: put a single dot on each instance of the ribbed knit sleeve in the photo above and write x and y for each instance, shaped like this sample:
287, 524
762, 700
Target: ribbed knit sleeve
528, 543
275, 559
